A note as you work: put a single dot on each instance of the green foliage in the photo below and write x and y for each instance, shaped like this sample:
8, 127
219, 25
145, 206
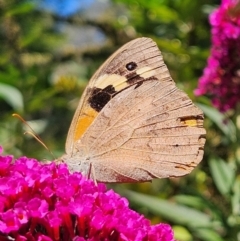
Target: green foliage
12, 96
43, 72
226, 126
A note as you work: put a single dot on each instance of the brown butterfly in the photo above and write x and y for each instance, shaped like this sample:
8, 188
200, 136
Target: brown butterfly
132, 123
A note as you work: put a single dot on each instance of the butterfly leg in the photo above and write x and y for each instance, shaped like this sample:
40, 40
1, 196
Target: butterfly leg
92, 171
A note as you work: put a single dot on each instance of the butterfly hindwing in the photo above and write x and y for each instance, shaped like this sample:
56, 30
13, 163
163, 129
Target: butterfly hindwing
162, 138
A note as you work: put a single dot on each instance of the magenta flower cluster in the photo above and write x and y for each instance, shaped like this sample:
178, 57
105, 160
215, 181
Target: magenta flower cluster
45, 202
221, 77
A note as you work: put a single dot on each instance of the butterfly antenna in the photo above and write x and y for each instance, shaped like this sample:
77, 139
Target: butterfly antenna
33, 133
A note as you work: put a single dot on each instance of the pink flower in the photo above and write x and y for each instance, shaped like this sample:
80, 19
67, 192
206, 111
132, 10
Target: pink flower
46, 202
221, 79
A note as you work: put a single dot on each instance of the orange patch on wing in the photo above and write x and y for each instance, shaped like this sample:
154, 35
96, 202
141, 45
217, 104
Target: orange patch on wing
84, 121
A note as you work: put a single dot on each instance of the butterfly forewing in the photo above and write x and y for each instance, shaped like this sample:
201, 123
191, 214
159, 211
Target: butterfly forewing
133, 63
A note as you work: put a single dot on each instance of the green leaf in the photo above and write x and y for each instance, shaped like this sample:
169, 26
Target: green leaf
181, 233
228, 128
235, 198
192, 201
200, 202
223, 175
12, 96
208, 234
178, 214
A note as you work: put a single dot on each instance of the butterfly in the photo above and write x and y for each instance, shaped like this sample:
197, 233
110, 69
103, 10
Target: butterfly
132, 123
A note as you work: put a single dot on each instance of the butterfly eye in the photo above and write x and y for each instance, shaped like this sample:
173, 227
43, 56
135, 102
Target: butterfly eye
131, 66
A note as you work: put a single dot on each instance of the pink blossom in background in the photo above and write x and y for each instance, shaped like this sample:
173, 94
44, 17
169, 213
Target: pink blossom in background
221, 76
45, 202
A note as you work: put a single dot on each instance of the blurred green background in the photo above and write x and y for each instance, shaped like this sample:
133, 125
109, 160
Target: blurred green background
50, 49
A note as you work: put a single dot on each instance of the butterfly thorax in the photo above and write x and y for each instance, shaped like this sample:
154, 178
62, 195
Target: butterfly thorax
77, 163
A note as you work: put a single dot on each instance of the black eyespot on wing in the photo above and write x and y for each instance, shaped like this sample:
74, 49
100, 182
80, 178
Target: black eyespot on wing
131, 66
